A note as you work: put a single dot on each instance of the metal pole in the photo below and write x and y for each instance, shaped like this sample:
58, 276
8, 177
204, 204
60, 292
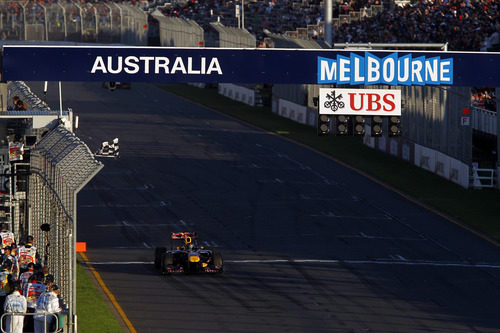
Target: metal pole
81, 19
328, 22
121, 21
72, 255
110, 17
64, 20
96, 23
46, 23
60, 100
24, 23
242, 14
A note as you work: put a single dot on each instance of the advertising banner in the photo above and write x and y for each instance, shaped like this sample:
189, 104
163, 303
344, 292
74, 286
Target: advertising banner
227, 65
363, 102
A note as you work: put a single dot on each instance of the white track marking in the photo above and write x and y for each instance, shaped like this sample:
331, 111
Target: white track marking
327, 261
111, 205
332, 215
210, 244
363, 235
144, 187
135, 225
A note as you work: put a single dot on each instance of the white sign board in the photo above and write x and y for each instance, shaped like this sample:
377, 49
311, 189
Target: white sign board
465, 121
363, 102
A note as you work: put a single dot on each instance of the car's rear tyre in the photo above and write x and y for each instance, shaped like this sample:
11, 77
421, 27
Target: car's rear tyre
158, 253
218, 260
167, 259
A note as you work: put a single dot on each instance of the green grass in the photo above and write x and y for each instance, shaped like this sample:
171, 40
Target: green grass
94, 314
478, 209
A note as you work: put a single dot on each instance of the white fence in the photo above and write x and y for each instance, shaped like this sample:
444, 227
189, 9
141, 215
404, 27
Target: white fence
292, 111
483, 178
237, 93
442, 165
484, 120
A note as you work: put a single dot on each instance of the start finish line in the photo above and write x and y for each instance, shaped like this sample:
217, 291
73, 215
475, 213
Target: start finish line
287, 66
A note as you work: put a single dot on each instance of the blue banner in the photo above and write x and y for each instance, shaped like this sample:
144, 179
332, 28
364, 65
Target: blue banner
288, 66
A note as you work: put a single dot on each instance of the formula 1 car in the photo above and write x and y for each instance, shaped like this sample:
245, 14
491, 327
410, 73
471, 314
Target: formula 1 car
112, 85
187, 256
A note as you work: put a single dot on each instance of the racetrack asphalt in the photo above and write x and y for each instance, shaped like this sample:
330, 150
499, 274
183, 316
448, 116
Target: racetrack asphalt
309, 245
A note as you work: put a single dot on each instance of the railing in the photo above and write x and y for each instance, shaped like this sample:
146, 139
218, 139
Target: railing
57, 326
483, 178
484, 120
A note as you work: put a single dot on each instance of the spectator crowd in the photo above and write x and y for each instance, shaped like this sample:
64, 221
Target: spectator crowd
483, 98
26, 286
469, 25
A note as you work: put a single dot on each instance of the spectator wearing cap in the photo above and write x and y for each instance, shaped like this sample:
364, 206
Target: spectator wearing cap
20, 106
26, 254
49, 281
47, 304
15, 303
25, 277
14, 103
6, 235
13, 251
14, 269
33, 290
5, 282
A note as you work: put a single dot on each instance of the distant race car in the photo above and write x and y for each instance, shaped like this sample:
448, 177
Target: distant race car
187, 256
112, 85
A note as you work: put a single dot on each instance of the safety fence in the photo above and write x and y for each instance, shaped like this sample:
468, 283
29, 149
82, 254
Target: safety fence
61, 165
483, 178
426, 158
100, 22
231, 37
484, 120
237, 93
178, 32
21, 89
14, 321
317, 31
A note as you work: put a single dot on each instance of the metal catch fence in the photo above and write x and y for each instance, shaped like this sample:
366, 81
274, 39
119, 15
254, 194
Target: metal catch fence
179, 32
100, 22
61, 165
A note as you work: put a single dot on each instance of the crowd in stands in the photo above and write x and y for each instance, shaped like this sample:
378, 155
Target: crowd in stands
464, 24
26, 286
276, 16
484, 98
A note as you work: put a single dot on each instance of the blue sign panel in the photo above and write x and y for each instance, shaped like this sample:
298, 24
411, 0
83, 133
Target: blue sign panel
390, 70
163, 64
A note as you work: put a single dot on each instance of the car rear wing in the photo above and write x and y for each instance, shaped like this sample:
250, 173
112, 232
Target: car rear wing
184, 235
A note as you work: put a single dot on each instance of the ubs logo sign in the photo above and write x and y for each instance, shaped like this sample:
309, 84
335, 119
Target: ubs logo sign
381, 102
